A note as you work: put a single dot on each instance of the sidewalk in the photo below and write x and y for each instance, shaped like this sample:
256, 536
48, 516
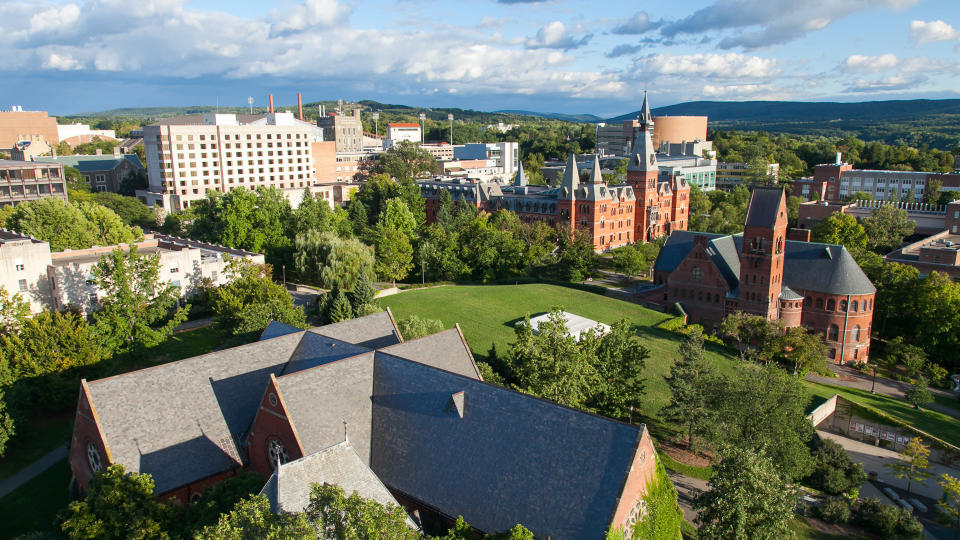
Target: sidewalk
31, 471
848, 377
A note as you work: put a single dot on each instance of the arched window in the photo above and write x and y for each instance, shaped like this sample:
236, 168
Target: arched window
276, 452
843, 305
834, 333
819, 303
700, 296
855, 335
831, 305
93, 458
854, 306
716, 298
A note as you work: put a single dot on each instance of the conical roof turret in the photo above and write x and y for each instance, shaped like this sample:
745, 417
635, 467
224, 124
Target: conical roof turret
643, 157
645, 116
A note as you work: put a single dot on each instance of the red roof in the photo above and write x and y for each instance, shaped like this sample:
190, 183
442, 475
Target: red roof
405, 124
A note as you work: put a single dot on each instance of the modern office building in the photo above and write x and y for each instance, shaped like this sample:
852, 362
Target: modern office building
732, 174
839, 180
22, 181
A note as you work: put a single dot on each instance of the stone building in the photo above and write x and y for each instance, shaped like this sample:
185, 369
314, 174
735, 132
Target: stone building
103, 172
762, 272
647, 206
54, 280
352, 403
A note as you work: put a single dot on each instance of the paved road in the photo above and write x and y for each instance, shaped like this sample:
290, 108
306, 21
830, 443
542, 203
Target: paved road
874, 459
851, 378
687, 488
30, 472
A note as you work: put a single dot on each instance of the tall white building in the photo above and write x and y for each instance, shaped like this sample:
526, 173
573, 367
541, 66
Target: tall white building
403, 131
189, 155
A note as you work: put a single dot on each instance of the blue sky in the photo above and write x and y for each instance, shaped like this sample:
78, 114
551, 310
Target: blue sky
554, 55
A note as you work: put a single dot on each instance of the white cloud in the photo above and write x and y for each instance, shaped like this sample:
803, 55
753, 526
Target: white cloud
556, 36
309, 15
873, 64
739, 91
752, 24
62, 62
922, 32
639, 23
54, 18
894, 83
723, 66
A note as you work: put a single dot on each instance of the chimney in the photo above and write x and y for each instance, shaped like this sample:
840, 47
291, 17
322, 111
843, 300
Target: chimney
271, 103
99, 152
839, 158
300, 106
116, 151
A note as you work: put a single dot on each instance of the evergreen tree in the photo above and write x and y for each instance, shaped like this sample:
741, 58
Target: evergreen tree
363, 297
690, 380
340, 309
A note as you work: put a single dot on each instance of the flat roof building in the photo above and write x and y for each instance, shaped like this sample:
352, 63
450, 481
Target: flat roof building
22, 181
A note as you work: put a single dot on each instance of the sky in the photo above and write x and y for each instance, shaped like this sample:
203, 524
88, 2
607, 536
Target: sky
549, 56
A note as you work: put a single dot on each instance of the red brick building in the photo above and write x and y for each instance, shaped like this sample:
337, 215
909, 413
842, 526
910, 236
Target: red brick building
353, 404
762, 272
641, 209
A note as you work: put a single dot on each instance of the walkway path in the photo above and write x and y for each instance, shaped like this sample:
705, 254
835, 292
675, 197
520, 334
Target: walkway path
687, 488
851, 378
31, 471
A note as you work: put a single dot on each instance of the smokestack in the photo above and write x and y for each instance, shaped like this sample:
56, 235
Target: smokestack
300, 106
839, 158
271, 103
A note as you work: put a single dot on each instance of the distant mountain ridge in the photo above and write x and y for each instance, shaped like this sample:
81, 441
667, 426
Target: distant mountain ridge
800, 111
581, 118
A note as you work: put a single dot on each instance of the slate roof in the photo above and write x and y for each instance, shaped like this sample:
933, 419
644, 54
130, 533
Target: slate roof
180, 422
288, 489
445, 350
763, 207
277, 329
373, 331
807, 266
510, 459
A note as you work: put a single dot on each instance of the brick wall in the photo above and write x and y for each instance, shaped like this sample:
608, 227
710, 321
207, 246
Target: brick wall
271, 422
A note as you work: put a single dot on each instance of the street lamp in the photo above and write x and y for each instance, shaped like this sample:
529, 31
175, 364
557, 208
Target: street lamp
450, 118
376, 123
423, 116
250, 103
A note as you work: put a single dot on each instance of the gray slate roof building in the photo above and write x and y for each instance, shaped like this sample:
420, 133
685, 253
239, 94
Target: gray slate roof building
382, 417
808, 266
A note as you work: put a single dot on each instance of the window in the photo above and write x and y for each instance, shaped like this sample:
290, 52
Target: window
854, 306
831, 305
22, 284
19, 268
834, 333
855, 335
174, 270
819, 303
697, 273
93, 458
276, 452
843, 305
832, 354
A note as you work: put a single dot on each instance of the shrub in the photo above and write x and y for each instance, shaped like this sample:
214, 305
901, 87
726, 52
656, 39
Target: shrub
834, 472
835, 510
888, 521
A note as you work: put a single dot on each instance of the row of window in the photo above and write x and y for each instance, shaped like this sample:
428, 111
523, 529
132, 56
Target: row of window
831, 305
833, 333
236, 136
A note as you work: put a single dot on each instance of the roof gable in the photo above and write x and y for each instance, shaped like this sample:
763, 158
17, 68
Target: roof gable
764, 207
445, 350
181, 421
373, 331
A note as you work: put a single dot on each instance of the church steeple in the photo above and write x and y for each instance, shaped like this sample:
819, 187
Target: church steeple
521, 179
643, 157
596, 175
645, 117
571, 178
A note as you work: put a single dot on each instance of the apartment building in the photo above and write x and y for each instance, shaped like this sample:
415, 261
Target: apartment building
28, 181
54, 280
839, 180
189, 155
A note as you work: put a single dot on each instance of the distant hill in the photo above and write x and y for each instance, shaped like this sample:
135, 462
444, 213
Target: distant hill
797, 111
582, 118
931, 122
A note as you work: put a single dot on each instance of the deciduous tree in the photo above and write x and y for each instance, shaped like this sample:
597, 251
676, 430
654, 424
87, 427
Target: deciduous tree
691, 382
394, 254
748, 498
887, 227
842, 229
337, 516
331, 261
414, 327
248, 303
118, 505
914, 463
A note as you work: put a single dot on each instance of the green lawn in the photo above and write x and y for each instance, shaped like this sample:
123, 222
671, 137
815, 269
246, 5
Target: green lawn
35, 438
487, 313
184, 345
34, 506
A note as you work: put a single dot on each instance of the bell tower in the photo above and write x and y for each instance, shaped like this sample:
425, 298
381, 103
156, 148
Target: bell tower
761, 257
642, 172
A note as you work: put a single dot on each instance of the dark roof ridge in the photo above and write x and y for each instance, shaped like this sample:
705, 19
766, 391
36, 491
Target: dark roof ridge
338, 360
641, 427
469, 352
198, 357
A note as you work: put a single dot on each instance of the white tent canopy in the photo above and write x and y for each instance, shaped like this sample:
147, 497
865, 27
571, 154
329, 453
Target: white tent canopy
576, 325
